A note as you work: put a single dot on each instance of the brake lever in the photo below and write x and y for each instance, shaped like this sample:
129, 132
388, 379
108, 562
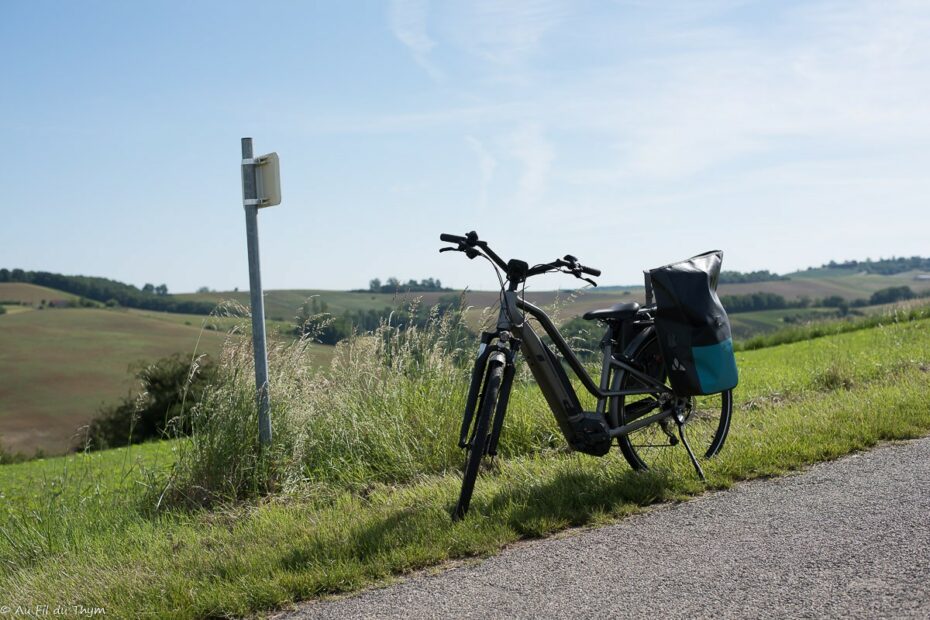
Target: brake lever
469, 252
576, 271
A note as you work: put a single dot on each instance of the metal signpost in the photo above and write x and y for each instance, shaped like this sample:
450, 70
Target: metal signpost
261, 187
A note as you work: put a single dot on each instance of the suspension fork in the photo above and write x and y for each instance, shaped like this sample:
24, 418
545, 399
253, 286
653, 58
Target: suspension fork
503, 399
477, 379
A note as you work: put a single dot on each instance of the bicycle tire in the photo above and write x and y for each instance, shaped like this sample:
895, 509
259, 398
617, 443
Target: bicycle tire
479, 441
706, 426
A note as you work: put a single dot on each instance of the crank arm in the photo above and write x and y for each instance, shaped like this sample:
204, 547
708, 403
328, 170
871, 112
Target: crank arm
626, 429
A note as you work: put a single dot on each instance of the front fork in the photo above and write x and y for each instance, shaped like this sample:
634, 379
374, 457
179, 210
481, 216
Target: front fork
477, 375
476, 394
502, 400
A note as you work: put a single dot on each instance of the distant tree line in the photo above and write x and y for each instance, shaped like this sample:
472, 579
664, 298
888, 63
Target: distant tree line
892, 294
771, 301
314, 319
393, 285
754, 302
882, 266
738, 277
109, 292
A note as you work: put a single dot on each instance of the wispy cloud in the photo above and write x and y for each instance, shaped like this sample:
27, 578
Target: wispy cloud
408, 23
853, 86
486, 165
535, 154
783, 110
429, 119
506, 33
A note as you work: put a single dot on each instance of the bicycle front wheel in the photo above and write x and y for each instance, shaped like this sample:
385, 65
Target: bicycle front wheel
656, 446
478, 444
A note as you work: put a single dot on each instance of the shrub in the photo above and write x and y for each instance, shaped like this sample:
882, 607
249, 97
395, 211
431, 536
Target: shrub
169, 387
7, 457
755, 301
891, 295
736, 277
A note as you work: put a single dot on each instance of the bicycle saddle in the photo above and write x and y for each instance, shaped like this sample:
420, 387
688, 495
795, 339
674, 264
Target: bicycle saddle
617, 312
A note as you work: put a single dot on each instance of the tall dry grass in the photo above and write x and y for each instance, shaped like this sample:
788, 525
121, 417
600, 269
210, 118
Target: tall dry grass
386, 411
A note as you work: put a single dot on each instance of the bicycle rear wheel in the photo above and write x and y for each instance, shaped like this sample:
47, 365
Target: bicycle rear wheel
656, 446
478, 444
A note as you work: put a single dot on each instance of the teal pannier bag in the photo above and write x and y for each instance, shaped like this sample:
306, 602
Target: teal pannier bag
692, 326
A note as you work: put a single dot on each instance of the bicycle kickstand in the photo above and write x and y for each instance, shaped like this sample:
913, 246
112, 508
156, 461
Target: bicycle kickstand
684, 440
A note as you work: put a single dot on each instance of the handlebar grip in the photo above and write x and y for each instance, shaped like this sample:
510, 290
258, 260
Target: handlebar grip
591, 271
451, 238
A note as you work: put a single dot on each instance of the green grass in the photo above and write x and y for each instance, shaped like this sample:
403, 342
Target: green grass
57, 505
877, 317
359, 491
748, 324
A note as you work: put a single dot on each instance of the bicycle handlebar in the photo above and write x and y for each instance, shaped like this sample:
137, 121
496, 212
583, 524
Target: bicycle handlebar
575, 267
451, 238
469, 242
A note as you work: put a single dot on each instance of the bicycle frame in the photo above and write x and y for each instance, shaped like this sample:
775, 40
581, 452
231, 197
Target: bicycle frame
513, 332
632, 365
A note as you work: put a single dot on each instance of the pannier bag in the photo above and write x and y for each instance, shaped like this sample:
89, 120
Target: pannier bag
692, 326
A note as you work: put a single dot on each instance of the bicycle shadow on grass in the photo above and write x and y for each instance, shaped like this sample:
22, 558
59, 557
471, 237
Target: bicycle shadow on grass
573, 499
418, 535
529, 510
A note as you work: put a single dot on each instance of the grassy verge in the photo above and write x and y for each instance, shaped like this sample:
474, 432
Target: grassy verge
364, 493
897, 313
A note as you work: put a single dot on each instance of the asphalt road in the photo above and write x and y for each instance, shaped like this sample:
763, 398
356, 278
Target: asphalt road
849, 538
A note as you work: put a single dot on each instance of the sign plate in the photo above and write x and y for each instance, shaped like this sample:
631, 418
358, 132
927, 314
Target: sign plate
268, 178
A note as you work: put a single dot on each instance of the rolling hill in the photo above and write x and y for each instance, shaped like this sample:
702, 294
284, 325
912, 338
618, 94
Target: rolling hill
31, 294
58, 365
282, 305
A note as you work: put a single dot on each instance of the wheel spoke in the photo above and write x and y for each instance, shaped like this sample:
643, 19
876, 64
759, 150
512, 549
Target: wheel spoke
706, 418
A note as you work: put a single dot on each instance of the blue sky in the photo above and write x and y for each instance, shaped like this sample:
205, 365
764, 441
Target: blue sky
629, 134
